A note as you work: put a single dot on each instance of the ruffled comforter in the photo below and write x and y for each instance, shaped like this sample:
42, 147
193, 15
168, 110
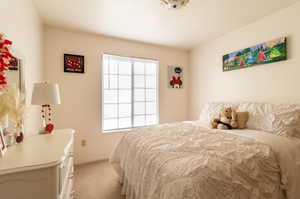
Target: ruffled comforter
186, 160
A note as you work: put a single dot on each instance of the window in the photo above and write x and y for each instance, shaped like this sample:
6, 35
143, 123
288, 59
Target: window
130, 92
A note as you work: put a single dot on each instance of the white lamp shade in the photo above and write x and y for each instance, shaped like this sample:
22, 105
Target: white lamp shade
45, 93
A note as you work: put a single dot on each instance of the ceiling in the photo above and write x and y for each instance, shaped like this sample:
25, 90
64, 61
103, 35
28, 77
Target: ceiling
148, 21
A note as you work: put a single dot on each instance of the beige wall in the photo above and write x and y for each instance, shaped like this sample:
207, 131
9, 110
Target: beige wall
21, 24
80, 93
276, 82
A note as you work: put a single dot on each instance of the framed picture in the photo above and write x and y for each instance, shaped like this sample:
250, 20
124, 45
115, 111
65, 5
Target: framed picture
14, 64
267, 52
175, 76
73, 63
3, 146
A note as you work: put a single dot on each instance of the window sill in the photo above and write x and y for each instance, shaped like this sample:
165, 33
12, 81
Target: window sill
117, 131
125, 130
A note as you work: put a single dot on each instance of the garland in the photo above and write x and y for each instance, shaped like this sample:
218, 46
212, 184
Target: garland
5, 57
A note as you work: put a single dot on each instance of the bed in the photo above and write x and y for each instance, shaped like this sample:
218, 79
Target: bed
189, 160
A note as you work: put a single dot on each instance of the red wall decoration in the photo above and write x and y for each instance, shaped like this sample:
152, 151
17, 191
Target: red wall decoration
73, 63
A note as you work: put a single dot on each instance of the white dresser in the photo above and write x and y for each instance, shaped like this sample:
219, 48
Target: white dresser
39, 168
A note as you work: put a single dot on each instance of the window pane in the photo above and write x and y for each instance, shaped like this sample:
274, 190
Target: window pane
150, 82
113, 82
151, 119
139, 108
139, 81
105, 65
105, 81
127, 104
124, 81
139, 95
110, 96
110, 124
113, 66
150, 108
124, 110
110, 111
150, 68
125, 96
150, 95
125, 68
139, 68
124, 122
139, 120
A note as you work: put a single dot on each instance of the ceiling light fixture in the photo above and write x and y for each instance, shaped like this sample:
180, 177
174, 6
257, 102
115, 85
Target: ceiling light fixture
174, 4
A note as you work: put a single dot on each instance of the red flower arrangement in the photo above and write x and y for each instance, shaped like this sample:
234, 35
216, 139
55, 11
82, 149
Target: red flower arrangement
5, 57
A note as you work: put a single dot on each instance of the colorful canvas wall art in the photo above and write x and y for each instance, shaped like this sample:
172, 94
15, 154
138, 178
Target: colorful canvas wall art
268, 52
175, 75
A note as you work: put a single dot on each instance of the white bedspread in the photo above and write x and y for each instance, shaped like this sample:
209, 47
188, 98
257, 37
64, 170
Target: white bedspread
186, 160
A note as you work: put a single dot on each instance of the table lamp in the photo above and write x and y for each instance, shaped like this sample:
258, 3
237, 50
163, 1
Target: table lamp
46, 94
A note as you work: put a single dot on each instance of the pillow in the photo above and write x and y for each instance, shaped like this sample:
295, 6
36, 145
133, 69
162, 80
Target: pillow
260, 117
286, 120
242, 119
278, 119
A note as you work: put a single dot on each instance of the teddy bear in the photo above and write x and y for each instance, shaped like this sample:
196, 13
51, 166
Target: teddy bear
226, 119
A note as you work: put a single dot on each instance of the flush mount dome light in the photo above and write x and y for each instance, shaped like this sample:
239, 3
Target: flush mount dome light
174, 4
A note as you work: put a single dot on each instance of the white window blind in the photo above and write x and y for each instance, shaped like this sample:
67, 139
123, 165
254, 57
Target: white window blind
130, 92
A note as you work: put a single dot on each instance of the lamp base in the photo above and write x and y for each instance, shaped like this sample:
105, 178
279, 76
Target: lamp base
46, 127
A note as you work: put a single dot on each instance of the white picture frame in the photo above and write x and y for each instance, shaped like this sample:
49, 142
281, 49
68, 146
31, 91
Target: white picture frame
3, 146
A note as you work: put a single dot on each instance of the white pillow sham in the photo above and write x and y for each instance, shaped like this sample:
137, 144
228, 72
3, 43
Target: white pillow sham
278, 119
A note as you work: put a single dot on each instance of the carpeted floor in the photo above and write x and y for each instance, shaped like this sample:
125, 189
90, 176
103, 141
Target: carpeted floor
97, 181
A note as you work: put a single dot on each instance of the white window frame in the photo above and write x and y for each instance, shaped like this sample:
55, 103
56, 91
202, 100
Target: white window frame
132, 59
